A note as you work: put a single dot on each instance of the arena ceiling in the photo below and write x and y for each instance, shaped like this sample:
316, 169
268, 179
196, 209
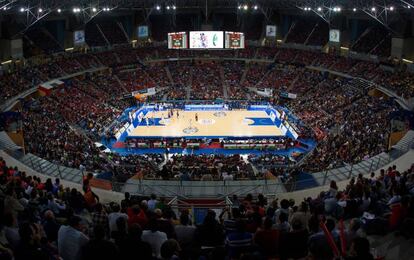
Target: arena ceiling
383, 11
276, 4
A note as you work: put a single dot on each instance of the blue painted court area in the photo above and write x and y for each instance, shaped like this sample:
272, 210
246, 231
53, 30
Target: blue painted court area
151, 122
260, 121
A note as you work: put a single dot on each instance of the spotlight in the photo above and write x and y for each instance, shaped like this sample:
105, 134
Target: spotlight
158, 7
5, 8
173, 7
239, 7
409, 6
391, 8
59, 10
255, 7
319, 9
168, 7
245, 7
94, 10
354, 9
373, 9
22, 9
40, 10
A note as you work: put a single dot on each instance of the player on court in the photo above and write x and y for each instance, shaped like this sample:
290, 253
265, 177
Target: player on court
196, 117
147, 120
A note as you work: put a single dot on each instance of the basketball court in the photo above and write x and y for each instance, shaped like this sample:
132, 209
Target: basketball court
211, 124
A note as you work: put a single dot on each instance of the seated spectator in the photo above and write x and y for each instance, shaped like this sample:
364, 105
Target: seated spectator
113, 217
239, 241
318, 243
100, 217
50, 226
185, 231
154, 237
29, 246
170, 250
268, 239
98, 247
360, 249
133, 244
210, 233
71, 239
294, 244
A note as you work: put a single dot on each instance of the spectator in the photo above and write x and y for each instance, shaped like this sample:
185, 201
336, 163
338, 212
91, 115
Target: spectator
134, 244
170, 250
71, 239
268, 239
98, 247
154, 237
113, 217
239, 241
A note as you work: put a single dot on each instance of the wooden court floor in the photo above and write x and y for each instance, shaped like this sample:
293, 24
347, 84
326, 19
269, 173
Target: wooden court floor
237, 123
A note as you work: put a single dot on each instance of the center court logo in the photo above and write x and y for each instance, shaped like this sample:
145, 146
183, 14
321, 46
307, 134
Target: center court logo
190, 130
206, 121
220, 114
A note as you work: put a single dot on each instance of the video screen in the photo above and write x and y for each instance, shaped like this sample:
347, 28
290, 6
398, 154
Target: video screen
206, 40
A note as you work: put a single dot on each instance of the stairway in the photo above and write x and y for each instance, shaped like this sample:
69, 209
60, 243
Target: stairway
167, 70
120, 83
223, 84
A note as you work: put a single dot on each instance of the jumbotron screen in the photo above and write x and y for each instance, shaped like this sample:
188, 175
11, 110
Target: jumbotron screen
234, 40
206, 40
177, 40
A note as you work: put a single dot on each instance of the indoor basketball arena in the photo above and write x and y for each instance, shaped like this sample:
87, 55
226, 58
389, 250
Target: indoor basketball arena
206, 129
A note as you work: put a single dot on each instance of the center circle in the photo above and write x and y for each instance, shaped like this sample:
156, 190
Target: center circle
206, 121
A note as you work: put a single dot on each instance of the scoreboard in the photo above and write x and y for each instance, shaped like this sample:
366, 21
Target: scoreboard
206, 40
234, 40
177, 40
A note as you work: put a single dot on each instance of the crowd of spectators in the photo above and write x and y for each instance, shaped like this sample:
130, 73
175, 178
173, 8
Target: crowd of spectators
206, 82
88, 101
207, 167
44, 220
233, 72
